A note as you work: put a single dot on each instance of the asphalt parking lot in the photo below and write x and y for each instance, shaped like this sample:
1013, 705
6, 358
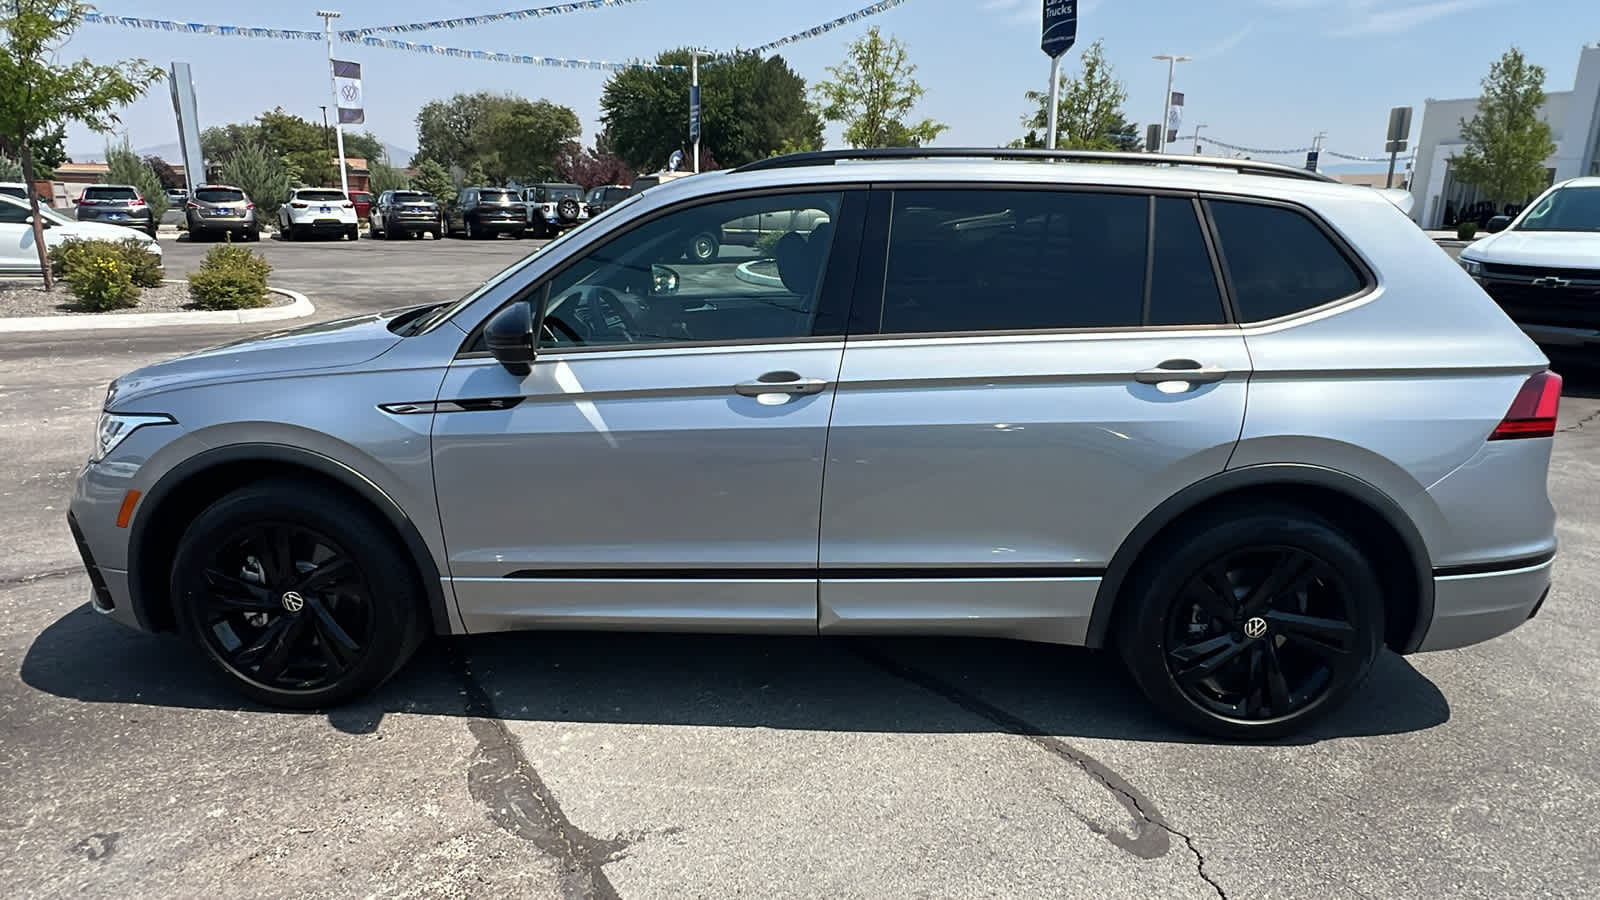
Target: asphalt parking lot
569, 765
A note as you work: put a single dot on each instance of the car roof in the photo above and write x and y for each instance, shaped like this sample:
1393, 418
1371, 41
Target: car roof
1581, 181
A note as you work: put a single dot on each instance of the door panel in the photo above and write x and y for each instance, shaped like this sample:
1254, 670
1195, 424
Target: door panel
615, 470
980, 482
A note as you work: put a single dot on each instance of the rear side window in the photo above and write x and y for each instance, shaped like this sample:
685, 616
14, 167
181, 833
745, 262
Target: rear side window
219, 195
1279, 261
1183, 286
963, 261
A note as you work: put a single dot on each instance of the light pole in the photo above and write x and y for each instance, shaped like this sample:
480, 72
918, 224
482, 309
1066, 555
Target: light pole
1055, 102
333, 84
1166, 100
1197, 138
694, 101
325, 131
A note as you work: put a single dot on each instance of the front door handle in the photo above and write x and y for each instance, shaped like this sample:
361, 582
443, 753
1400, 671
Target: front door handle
784, 384
1177, 370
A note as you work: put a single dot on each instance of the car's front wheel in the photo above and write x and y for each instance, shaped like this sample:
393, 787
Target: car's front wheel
299, 597
1254, 624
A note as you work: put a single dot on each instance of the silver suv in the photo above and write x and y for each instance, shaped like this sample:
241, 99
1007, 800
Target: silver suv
1246, 426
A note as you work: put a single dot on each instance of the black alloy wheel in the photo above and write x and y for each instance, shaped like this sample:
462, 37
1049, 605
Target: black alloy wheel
1255, 627
298, 596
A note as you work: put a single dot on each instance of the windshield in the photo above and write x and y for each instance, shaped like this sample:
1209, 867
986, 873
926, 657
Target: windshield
219, 195
1565, 209
446, 311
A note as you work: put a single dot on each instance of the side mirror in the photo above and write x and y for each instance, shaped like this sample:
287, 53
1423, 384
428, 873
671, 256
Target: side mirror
663, 281
509, 336
1497, 224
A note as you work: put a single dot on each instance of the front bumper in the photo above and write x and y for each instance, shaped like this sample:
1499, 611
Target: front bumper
1473, 607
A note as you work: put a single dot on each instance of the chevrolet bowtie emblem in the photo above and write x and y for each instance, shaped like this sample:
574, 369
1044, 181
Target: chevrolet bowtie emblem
1550, 282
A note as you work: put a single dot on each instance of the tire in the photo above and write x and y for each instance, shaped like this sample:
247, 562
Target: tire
272, 632
472, 230
436, 234
1207, 657
252, 235
388, 233
353, 233
704, 246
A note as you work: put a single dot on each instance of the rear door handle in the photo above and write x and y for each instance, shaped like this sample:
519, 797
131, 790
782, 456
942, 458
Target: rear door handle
780, 383
1180, 370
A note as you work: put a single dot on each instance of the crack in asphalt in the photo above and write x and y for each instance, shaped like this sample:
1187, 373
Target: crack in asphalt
14, 580
518, 801
1581, 422
1152, 837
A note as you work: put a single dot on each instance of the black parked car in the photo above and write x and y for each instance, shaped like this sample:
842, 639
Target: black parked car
486, 212
407, 214
603, 198
116, 204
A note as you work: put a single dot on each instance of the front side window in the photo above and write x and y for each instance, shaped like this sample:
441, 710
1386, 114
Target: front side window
1279, 261
656, 284
1567, 209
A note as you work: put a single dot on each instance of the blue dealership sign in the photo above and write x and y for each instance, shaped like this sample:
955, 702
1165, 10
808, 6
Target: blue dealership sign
694, 113
1060, 27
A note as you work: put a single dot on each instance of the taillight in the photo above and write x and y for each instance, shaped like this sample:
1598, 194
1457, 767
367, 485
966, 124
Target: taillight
137, 201
191, 205
298, 205
346, 205
249, 206
1533, 412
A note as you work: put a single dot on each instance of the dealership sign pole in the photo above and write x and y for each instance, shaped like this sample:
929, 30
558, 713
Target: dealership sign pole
338, 125
694, 106
1059, 31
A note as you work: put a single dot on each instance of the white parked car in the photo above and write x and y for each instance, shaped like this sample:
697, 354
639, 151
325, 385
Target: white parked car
1543, 267
19, 256
313, 211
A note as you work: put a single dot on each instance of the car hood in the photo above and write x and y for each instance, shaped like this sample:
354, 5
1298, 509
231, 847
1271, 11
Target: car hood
1562, 249
325, 345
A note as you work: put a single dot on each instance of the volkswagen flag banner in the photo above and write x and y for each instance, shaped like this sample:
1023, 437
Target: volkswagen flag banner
1174, 116
347, 83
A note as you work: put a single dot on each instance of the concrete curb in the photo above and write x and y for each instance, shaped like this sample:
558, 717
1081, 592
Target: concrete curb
743, 273
300, 308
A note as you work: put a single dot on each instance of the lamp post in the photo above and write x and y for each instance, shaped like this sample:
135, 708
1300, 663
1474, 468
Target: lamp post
1166, 99
1197, 138
325, 132
333, 84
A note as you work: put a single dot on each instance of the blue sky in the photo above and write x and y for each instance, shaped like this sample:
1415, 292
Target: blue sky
1266, 73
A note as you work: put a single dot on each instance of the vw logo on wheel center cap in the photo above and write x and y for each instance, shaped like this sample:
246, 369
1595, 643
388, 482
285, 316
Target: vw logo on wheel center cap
1254, 627
293, 602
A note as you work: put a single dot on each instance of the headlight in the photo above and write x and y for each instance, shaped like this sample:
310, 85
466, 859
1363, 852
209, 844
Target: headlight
114, 428
1473, 267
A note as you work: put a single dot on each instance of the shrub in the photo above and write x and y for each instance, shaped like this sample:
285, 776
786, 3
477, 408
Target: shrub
142, 265
101, 282
1466, 231
767, 242
230, 277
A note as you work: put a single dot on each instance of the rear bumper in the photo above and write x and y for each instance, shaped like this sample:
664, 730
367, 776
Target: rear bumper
1474, 606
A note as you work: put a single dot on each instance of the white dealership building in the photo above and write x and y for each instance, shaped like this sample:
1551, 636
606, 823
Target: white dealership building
1574, 118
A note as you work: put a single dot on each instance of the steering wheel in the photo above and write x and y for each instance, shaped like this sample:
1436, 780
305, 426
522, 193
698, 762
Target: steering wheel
592, 314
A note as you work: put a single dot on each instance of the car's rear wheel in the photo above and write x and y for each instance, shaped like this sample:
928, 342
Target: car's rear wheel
353, 232
298, 597
1253, 625
704, 247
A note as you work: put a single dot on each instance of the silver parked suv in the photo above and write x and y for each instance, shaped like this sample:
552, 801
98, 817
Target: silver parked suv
1242, 424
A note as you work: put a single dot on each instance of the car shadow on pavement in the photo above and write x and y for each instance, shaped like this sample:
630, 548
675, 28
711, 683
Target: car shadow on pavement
901, 685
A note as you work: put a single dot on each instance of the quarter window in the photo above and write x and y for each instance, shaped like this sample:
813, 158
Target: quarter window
1279, 261
963, 260
735, 270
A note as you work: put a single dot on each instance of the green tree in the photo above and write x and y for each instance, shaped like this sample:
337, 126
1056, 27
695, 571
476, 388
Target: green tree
164, 171
509, 137
260, 175
123, 166
432, 177
306, 147
10, 169
383, 177
749, 108
1089, 112
38, 97
873, 92
1506, 141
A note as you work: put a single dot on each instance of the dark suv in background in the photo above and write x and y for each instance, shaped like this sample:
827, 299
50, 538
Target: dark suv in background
116, 204
603, 198
221, 209
486, 212
407, 214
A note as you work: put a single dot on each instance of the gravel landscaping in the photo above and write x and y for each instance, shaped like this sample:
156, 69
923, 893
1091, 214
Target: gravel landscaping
26, 297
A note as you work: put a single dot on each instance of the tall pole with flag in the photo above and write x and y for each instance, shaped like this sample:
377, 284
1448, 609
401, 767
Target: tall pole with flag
333, 80
1059, 31
694, 106
1170, 104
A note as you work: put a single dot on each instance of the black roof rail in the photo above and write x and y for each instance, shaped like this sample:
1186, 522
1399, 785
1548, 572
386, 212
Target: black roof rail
829, 157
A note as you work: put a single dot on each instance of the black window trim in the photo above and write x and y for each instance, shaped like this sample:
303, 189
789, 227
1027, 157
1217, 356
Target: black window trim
867, 309
837, 287
1363, 269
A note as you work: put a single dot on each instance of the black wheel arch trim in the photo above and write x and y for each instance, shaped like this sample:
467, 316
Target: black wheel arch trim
415, 546
1192, 497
